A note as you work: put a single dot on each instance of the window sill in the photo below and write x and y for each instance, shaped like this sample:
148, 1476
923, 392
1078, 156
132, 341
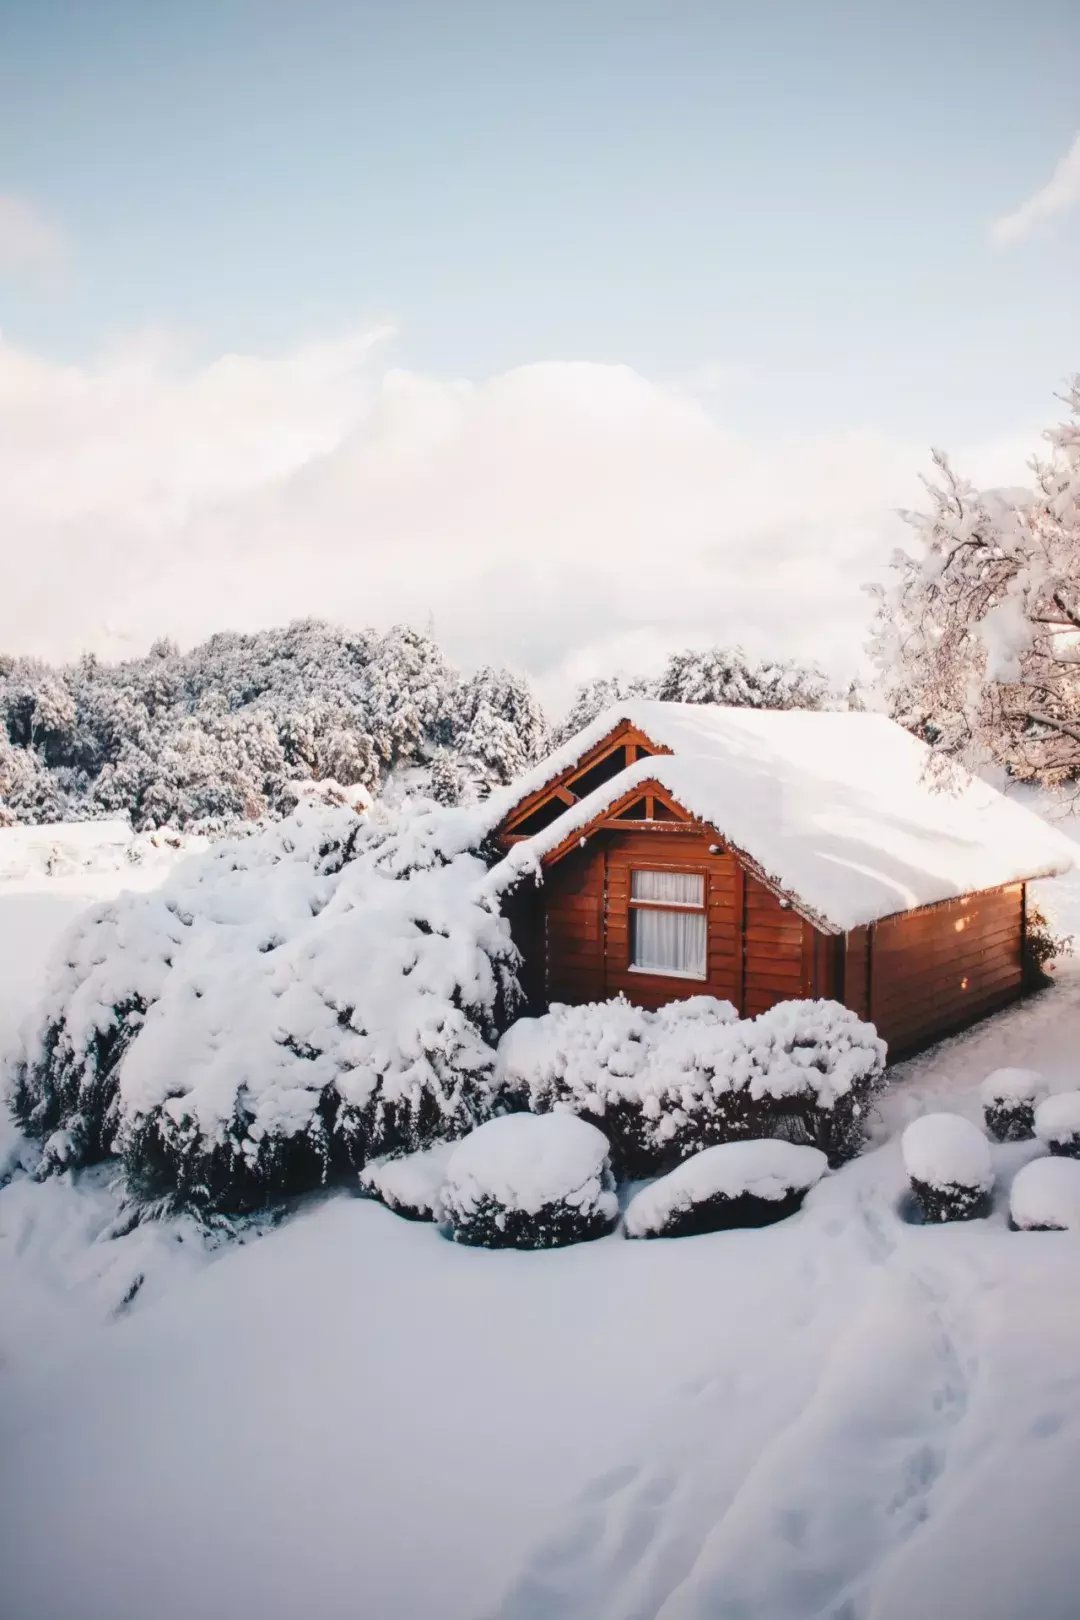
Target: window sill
668, 973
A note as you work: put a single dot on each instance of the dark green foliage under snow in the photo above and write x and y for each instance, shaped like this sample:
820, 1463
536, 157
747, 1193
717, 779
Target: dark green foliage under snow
663, 1086
283, 1009
221, 732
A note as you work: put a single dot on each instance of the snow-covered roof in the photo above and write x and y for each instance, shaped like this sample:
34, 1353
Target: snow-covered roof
838, 810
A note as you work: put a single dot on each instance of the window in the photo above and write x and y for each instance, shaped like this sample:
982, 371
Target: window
667, 923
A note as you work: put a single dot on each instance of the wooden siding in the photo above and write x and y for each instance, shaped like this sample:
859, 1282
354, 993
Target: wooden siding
574, 927
778, 966
855, 989
688, 852
759, 950
918, 976
936, 970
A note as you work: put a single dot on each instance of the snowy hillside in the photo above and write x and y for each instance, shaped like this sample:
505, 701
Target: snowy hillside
845, 1414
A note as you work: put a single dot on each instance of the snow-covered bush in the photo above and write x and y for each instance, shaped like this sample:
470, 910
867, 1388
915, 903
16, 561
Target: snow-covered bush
584, 1060
285, 1007
816, 1068
975, 638
1057, 1124
948, 1162
665, 1085
735, 1184
411, 1184
1009, 1098
1043, 947
530, 1181
1045, 1197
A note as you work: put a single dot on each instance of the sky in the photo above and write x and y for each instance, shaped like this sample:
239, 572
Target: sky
580, 331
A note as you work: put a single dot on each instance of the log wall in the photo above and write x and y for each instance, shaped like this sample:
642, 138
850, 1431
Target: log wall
917, 976
759, 950
938, 969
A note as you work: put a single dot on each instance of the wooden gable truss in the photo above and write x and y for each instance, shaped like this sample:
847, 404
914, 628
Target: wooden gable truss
622, 747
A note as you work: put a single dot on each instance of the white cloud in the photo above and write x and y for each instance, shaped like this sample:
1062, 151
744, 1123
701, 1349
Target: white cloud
567, 518
1060, 193
32, 247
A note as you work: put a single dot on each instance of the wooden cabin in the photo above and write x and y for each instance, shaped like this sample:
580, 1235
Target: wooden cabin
673, 850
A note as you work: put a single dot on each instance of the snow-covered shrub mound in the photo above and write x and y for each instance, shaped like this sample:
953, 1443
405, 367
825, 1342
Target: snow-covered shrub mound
665, 1085
948, 1162
812, 1071
707, 1011
1045, 1196
735, 1184
1057, 1123
285, 1006
411, 1184
1009, 1098
585, 1060
529, 1181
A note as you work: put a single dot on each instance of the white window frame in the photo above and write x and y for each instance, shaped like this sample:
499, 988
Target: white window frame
680, 907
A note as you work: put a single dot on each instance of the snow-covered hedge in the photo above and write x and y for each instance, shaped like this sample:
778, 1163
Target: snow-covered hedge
286, 1006
735, 1184
1009, 1098
410, 1184
529, 1182
1057, 1123
666, 1085
948, 1162
1045, 1196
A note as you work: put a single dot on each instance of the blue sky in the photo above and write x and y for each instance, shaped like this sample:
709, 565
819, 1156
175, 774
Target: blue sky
790, 199
665, 280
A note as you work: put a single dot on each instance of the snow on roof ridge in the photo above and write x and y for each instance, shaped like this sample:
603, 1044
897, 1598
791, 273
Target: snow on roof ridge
854, 831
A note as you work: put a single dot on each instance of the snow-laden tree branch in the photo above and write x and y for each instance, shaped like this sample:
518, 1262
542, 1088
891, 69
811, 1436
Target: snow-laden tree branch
977, 639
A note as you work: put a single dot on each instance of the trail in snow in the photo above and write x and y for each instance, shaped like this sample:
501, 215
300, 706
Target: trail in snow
909, 1374
844, 1416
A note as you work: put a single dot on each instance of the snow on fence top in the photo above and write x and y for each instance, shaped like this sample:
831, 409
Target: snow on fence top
840, 810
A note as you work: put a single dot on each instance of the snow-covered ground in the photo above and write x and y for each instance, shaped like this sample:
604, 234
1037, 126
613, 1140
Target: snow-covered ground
846, 1415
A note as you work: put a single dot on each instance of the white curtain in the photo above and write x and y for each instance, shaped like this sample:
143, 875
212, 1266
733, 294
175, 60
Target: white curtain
669, 941
670, 888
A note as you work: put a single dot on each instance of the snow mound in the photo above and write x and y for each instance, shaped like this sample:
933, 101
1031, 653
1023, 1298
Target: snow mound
1013, 1086
410, 1185
735, 1173
944, 1151
1057, 1123
66, 849
1046, 1196
530, 1181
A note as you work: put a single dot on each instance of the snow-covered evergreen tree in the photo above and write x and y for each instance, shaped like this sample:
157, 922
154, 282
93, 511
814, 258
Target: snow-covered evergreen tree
713, 675
284, 1008
596, 695
978, 638
726, 675
498, 726
222, 732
